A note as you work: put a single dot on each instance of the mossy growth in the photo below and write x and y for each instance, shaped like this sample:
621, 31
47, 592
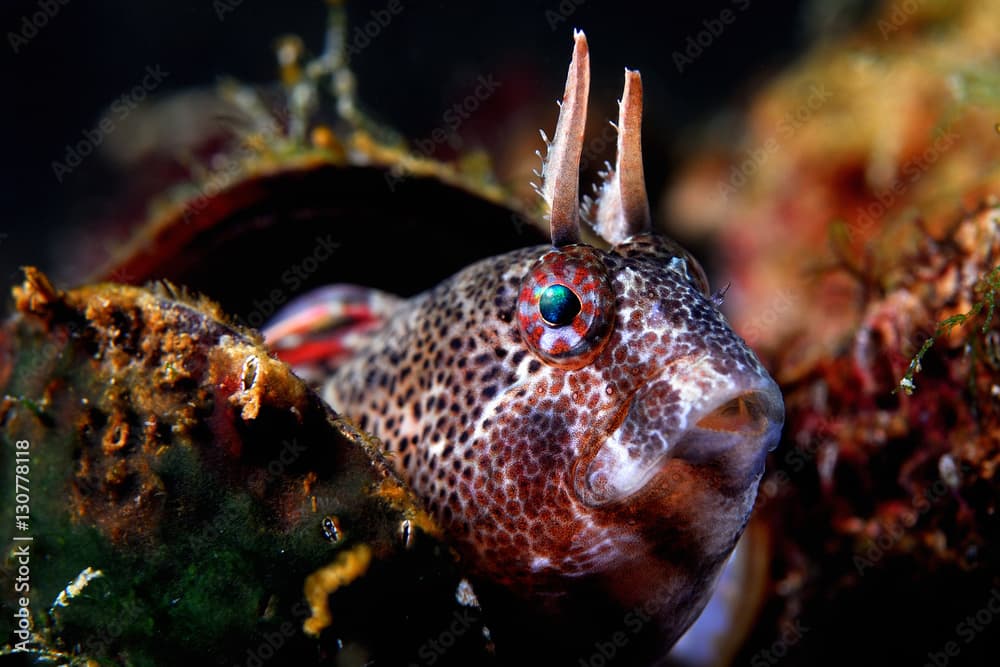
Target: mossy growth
986, 289
214, 581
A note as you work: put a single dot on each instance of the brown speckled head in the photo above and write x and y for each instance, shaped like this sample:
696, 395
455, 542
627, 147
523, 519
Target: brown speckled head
576, 417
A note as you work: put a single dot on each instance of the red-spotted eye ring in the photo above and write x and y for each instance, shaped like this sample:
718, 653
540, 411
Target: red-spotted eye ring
566, 308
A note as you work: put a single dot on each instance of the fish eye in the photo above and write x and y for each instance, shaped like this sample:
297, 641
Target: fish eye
558, 305
565, 308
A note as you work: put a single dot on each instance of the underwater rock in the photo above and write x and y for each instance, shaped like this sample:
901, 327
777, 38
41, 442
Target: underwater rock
187, 496
855, 213
882, 505
858, 219
881, 129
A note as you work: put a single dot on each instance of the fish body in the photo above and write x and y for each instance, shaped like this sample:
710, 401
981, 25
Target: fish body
582, 422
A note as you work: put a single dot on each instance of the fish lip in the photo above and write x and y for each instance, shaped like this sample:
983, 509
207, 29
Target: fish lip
706, 435
603, 437
762, 397
704, 441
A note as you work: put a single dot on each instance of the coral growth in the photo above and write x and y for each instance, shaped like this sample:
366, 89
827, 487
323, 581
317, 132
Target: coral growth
861, 229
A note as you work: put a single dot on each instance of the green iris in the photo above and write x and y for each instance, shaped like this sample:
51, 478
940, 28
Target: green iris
558, 305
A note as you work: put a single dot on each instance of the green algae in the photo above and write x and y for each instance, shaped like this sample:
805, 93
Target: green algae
177, 503
987, 287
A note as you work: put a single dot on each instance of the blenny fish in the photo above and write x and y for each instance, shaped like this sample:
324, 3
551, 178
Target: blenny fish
583, 423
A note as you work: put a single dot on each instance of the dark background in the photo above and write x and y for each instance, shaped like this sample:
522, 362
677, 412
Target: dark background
59, 83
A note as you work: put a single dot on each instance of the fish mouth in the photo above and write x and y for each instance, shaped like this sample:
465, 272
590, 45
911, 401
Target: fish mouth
729, 422
747, 414
750, 421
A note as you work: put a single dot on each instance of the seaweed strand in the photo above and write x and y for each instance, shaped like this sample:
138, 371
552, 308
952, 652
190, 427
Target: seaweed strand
988, 285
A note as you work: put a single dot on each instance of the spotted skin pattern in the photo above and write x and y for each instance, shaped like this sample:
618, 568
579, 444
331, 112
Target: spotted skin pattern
586, 467
495, 440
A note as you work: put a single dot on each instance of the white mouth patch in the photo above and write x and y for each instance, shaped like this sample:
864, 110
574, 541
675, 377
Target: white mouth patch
691, 412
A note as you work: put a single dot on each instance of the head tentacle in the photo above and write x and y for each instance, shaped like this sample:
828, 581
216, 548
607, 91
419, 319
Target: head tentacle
560, 172
622, 206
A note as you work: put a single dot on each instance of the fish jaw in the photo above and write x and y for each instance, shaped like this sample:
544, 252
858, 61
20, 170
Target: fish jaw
692, 413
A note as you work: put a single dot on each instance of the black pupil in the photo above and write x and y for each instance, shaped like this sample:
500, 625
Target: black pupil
558, 305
